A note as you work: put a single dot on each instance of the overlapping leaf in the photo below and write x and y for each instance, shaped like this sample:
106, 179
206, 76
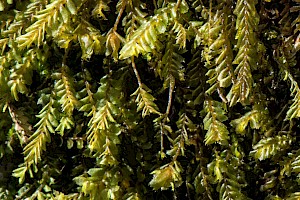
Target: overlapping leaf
54, 14
49, 117
230, 179
166, 176
145, 38
145, 101
268, 147
215, 115
246, 58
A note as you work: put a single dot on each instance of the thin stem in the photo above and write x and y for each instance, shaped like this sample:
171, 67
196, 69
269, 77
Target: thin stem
35, 194
119, 15
162, 154
136, 72
178, 4
155, 5
64, 62
181, 144
221, 95
171, 89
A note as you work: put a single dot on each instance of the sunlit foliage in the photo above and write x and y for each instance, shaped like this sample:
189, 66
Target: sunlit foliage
149, 99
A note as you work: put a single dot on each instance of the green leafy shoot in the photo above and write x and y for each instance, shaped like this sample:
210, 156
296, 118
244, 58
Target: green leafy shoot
166, 176
268, 147
215, 115
65, 90
55, 13
145, 101
37, 142
258, 118
294, 110
246, 58
145, 38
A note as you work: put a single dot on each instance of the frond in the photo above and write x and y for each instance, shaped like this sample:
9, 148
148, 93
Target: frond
14, 27
102, 183
257, 118
201, 183
231, 189
270, 180
49, 117
109, 155
21, 72
286, 53
64, 36
90, 39
295, 165
268, 147
246, 58
65, 90
286, 58
88, 102
230, 178
181, 36
102, 125
52, 17
145, 101
48, 121
103, 116
54, 13
185, 126
217, 53
294, 110
103, 137
145, 38
194, 74
215, 115
65, 123
286, 163
172, 68
98, 126
167, 176
92, 119
135, 17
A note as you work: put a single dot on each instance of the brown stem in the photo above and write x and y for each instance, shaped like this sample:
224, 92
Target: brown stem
221, 95
178, 4
171, 89
136, 72
119, 15
161, 141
